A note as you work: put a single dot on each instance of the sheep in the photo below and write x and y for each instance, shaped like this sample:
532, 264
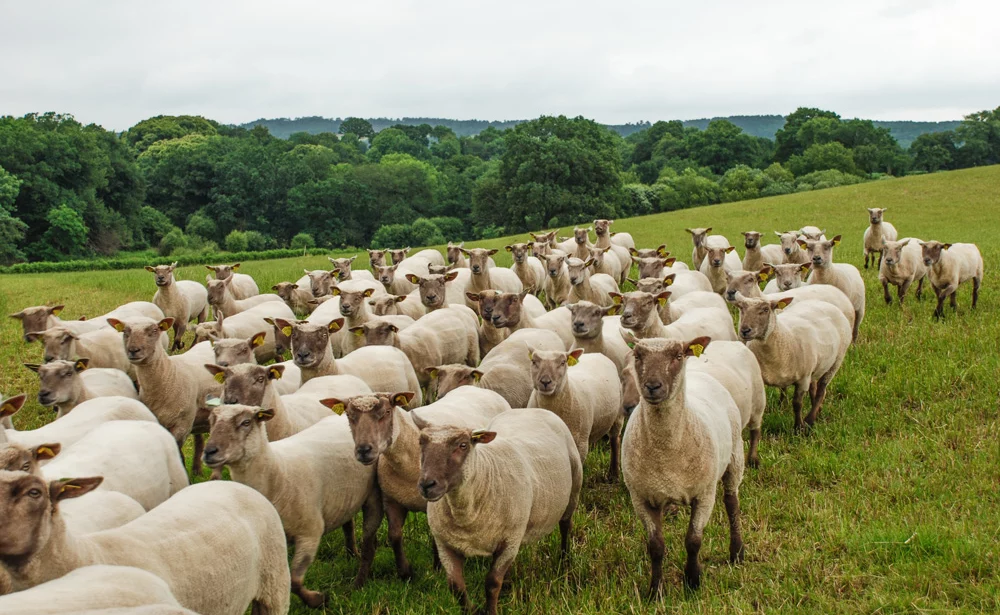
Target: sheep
172, 387
354, 309
588, 398
877, 233
660, 251
548, 239
316, 281
42, 317
505, 370
246, 325
384, 434
103, 347
845, 277
812, 233
528, 268
179, 541
756, 254
949, 266
136, 458
295, 297
585, 286
793, 254
491, 491
902, 264
221, 298
509, 312
236, 352
180, 300
490, 336
376, 259
746, 283
396, 278
72, 427
398, 305
787, 276
557, 286
718, 262
441, 337
322, 315
541, 249
680, 284
486, 278
803, 346
578, 245
657, 267
618, 245
242, 287
681, 440
639, 314
311, 478
702, 241
383, 368
63, 385
431, 256
596, 331
605, 238
93, 589
439, 291
343, 272
610, 266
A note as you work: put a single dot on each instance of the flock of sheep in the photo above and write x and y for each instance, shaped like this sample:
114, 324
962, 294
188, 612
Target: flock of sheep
466, 391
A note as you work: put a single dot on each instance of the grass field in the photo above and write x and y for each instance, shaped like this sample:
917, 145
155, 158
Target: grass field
889, 506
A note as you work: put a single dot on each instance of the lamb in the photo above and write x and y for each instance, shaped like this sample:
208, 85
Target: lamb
396, 278
682, 439
619, 244
42, 317
595, 288
70, 428
587, 398
444, 336
793, 254
509, 312
557, 287
324, 313
376, 259
199, 522
596, 331
318, 281
180, 300
949, 266
386, 435
639, 314
903, 264
221, 298
845, 277
398, 305
491, 491
745, 283
718, 262
528, 268
438, 291
383, 368
757, 255
103, 347
877, 233
311, 479
803, 346
702, 241
173, 387
295, 297
505, 370
487, 300
93, 589
487, 278
343, 272
242, 287
63, 385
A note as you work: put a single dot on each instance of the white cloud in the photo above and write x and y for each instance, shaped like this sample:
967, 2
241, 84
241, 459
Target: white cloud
117, 62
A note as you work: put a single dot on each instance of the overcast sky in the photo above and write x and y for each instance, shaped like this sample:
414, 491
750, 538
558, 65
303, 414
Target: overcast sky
116, 63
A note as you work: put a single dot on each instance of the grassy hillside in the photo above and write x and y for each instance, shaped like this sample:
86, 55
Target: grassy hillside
889, 505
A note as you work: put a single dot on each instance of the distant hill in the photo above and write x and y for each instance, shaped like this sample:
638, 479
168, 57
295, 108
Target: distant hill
757, 125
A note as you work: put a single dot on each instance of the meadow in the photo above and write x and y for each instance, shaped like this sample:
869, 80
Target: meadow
889, 505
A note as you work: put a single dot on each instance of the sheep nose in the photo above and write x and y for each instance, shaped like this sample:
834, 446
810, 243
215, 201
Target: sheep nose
652, 387
745, 332
427, 484
49, 358
578, 326
788, 250
432, 298
475, 270
363, 451
211, 450
927, 262
731, 294
302, 356
545, 381
817, 260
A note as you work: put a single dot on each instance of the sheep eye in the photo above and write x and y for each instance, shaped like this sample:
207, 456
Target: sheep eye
26, 467
463, 446
245, 423
34, 493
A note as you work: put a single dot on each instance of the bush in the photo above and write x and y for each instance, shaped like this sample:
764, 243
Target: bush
422, 232
830, 178
66, 235
453, 229
236, 241
303, 241
258, 242
173, 241
152, 225
141, 259
201, 225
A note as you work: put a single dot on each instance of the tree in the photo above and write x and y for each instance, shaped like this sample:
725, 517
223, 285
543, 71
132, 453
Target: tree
979, 134
163, 127
787, 140
822, 157
236, 241
355, 125
11, 228
935, 151
66, 236
422, 232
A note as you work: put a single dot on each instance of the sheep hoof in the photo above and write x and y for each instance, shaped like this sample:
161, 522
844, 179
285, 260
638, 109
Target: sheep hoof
312, 599
753, 462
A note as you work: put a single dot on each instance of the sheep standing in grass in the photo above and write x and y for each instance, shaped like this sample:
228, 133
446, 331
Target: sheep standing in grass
489, 278
877, 233
951, 265
557, 285
294, 297
385, 434
528, 269
746, 284
180, 300
845, 277
246, 325
702, 241
618, 244
221, 298
181, 541
585, 286
42, 317
610, 265
311, 478
792, 253
103, 347
439, 291
585, 392
70, 428
803, 346
242, 287
491, 491
376, 259
682, 439
597, 331
63, 385
902, 263
719, 262
756, 254
510, 312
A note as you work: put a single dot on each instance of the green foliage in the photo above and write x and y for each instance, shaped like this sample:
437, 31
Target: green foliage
357, 126
829, 178
422, 232
819, 157
237, 241
201, 225
451, 228
66, 235
935, 152
184, 257
302, 241
257, 241
173, 241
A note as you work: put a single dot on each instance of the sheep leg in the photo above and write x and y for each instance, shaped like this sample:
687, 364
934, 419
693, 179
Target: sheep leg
879, 259
503, 557
976, 283
902, 290
866, 259
817, 398
454, 565
701, 512
953, 298
652, 519
885, 292
396, 517
731, 497
753, 459
178, 334
199, 450
203, 316
350, 545
920, 289
371, 512
305, 552
797, 395
616, 444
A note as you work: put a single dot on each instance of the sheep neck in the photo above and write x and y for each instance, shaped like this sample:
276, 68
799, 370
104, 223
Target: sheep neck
823, 275
877, 233
604, 241
481, 281
664, 426
61, 554
279, 426
78, 395
262, 470
770, 349
228, 304
653, 327
480, 476
359, 318
158, 376
327, 366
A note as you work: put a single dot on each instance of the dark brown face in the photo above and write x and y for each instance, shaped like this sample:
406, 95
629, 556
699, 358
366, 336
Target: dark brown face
352, 302
651, 267
742, 282
931, 251
507, 310
554, 264
601, 227
443, 451
246, 384
310, 343
487, 301
36, 319
235, 430
371, 420
282, 339
588, 319
216, 291
519, 252
285, 290
398, 255
454, 252
751, 239
141, 337
163, 275
25, 508
321, 281
376, 258
637, 308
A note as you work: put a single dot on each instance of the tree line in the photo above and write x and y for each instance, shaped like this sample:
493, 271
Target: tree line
188, 185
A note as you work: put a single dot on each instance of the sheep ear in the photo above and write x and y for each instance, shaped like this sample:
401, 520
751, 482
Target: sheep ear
481, 436
275, 372
33, 366
18, 315
275, 287
633, 281
943, 247
493, 251
450, 276
508, 248
413, 278
258, 339
588, 262
73, 487
151, 270
611, 310
616, 298
904, 242
432, 372
668, 280
730, 249
402, 399
235, 267
46, 451
81, 364
697, 346
804, 267
628, 336
359, 331
33, 336
218, 372
334, 404
633, 251
12, 405
574, 356
778, 233
476, 375
394, 328
335, 291
263, 415
836, 240
669, 262
663, 297
165, 324
473, 297
782, 303
802, 243
284, 326
369, 291
335, 325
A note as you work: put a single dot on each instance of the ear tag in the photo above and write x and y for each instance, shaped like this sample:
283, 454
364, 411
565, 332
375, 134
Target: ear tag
213, 402
337, 408
44, 450
287, 331
696, 349
220, 377
571, 361
476, 377
662, 302
274, 373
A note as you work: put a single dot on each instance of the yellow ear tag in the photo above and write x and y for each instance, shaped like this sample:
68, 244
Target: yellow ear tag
399, 400
80, 365
56, 311
220, 377
235, 267
68, 486
120, 327
258, 340
696, 349
669, 281
360, 333
433, 374
45, 451
287, 331
276, 374
616, 300
476, 377
261, 415
571, 360
337, 408
662, 302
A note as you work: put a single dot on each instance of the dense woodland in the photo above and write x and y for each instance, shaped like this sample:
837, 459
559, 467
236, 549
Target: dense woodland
186, 184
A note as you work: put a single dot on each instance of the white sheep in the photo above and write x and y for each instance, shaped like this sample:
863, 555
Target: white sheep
221, 298
178, 541
585, 392
682, 439
792, 253
845, 277
783, 277
430, 255
103, 347
311, 478
487, 300
181, 300
812, 233
354, 309
296, 298
246, 325
526, 462
93, 589
702, 241
597, 331
489, 278
63, 385
757, 255
396, 278
618, 244
640, 314
242, 287
456, 258
718, 262
509, 312
877, 233
73, 426
681, 285
577, 246
658, 266
42, 317
557, 286
610, 265
803, 346
324, 313
343, 271
746, 284
584, 286
528, 269
398, 305
951, 265
902, 264
437, 291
